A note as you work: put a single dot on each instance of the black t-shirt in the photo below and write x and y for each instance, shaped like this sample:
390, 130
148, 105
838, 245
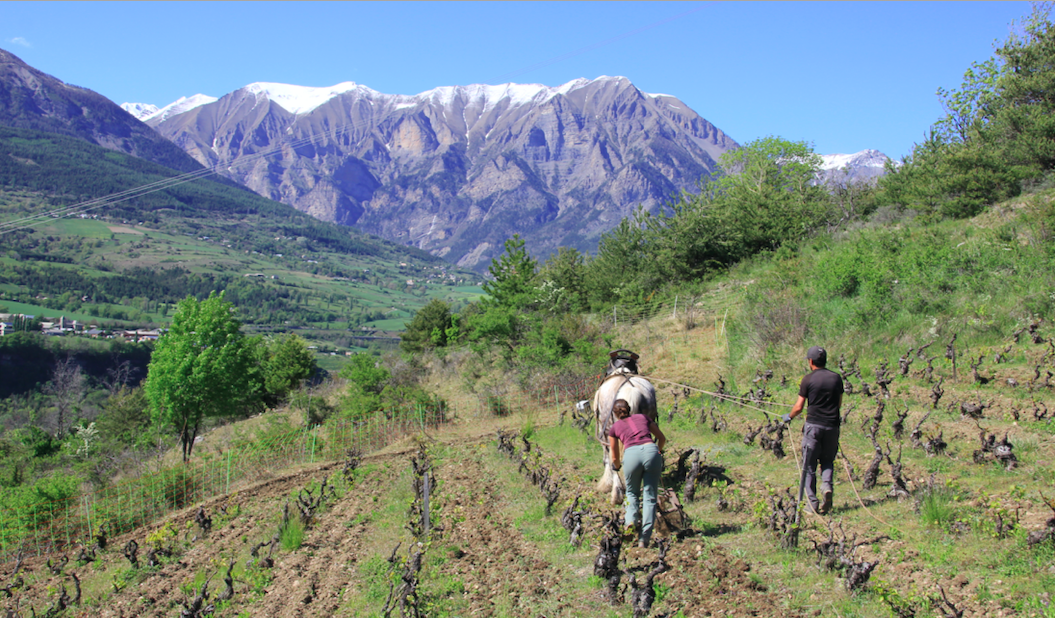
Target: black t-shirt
822, 388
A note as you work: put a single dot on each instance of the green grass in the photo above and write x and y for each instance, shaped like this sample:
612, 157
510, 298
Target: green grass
291, 535
226, 233
37, 310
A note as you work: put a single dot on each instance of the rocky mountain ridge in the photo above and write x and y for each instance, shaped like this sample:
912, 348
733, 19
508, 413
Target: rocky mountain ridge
456, 170
32, 99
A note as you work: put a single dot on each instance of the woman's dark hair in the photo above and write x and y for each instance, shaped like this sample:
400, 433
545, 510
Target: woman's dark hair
621, 409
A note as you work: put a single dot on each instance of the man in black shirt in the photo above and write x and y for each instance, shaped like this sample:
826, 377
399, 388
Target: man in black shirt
823, 389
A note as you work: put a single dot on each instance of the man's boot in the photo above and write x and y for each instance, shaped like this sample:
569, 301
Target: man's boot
826, 506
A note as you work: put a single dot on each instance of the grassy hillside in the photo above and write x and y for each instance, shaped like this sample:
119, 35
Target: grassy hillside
132, 260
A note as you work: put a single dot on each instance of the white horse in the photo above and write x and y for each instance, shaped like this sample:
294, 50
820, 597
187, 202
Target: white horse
621, 382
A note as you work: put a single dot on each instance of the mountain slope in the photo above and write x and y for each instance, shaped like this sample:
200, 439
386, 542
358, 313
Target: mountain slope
279, 266
457, 170
31, 99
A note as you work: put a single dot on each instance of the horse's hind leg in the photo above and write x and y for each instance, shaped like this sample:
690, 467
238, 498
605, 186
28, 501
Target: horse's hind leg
618, 491
604, 484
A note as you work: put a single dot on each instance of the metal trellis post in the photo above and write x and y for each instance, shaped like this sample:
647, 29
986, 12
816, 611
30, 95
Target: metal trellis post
88, 515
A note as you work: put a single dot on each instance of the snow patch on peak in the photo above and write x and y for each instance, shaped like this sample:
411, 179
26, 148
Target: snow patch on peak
303, 99
483, 94
488, 96
864, 158
140, 110
181, 106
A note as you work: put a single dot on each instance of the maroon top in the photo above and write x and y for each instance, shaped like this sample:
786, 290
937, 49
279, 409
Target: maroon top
632, 431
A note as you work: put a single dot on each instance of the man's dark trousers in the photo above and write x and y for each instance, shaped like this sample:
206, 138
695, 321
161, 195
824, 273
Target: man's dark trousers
819, 445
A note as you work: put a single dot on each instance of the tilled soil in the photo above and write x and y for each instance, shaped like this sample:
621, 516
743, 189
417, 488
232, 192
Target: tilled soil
308, 577
501, 566
506, 574
309, 581
501, 571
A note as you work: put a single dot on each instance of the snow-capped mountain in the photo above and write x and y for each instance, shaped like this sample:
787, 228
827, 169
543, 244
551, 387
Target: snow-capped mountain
458, 169
140, 110
864, 166
181, 106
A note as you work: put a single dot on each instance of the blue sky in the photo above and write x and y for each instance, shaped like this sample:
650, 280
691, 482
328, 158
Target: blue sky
843, 75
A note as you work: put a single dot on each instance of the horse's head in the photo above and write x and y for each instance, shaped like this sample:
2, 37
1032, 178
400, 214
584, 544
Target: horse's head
621, 359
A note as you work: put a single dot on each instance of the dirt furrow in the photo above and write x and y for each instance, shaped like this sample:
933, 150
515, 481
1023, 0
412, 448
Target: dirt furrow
498, 567
310, 580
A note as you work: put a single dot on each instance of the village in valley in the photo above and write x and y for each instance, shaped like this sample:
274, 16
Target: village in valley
61, 327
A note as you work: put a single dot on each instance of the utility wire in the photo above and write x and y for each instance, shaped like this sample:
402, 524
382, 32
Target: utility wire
161, 185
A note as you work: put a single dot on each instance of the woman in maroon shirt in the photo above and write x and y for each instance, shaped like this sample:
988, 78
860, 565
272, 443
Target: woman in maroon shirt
631, 441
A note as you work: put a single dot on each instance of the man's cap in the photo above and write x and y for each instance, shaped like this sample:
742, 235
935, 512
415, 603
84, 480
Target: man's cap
817, 353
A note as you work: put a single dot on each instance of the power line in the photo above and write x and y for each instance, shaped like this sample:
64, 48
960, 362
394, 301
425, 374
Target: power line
160, 185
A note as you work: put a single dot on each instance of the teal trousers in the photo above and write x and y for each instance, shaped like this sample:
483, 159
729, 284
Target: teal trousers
642, 465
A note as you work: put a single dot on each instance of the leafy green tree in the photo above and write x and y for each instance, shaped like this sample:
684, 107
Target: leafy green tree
428, 328
202, 368
125, 415
974, 103
493, 325
699, 235
513, 275
285, 362
562, 286
623, 267
367, 378
767, 193
366, 371
1025, 105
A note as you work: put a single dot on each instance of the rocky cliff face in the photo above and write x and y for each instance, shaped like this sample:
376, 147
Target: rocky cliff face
31, 99
456, 170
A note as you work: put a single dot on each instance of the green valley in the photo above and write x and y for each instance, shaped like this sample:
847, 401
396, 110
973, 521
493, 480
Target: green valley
131, 261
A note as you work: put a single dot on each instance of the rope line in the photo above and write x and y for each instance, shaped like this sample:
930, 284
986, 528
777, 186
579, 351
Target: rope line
737, 400
799, 463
